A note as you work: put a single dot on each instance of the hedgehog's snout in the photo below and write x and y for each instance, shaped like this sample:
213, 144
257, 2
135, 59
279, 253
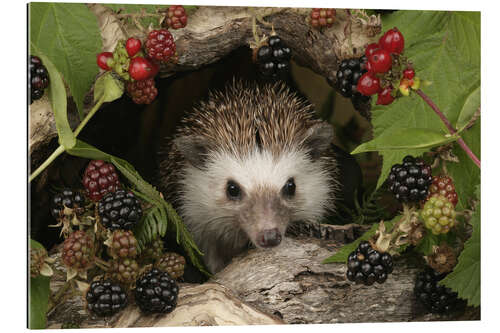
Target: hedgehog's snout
269, 238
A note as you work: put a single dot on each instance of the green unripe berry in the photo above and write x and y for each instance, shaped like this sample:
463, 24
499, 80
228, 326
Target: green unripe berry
438, 214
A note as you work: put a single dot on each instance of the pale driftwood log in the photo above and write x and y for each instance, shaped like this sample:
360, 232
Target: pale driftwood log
290, 281
209, 304
285, 285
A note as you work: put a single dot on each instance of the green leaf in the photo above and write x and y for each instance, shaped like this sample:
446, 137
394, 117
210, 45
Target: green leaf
82, 149
406, 138
68, 34
39, 290
109, 86
151, 226
466, 277
58, 101
471, 105
445, 49
131, 8
430, 240
342, 254
35, 245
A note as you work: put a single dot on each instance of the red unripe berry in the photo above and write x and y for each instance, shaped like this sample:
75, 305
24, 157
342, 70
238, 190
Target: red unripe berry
368, 67
368, 84
141, 68
409, 73
133, 45
385, 96
160, 45
443, 185
380, 60
176, 17
392, 41
102, 60
322, 17
370, 48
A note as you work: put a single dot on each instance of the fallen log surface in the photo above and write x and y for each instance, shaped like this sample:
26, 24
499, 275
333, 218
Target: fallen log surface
285, 285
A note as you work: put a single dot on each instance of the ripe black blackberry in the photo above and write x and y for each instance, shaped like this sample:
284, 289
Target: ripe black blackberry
273, 59
410, 181
366, 265
348, 74
105, 298
156, 292
119, 210
434, 297
38, 78
67, 198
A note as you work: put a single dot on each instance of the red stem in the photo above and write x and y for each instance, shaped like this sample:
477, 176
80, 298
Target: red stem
447, 123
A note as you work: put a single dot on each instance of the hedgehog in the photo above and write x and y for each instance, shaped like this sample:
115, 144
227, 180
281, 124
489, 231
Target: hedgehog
246, 163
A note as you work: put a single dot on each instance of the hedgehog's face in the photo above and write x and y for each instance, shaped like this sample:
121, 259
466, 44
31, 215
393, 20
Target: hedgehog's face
259, 193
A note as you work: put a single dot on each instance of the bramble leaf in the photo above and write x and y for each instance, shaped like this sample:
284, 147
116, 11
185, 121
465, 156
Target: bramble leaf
108, 86
58, 101
445, 49
466, 277
38, 297
406, 138
68, 34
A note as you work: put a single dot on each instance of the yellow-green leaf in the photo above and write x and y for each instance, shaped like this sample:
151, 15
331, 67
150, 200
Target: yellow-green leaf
470, 107
109, 87
58, 101
406, 138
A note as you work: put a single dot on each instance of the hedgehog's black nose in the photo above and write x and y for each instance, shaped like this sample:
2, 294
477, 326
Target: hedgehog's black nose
269, 238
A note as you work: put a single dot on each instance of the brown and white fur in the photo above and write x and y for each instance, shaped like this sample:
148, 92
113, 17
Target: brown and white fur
255, 140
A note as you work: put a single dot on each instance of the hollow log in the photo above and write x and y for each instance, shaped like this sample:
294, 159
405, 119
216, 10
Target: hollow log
213, 32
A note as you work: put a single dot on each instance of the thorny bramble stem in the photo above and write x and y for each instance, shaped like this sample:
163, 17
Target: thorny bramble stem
450, 128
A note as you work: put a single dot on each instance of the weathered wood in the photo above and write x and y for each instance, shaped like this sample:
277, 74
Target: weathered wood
287, 284
208, 304
291, 282
213, 32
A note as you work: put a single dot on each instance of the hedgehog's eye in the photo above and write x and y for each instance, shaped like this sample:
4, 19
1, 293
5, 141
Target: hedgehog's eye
233, 190
288, 189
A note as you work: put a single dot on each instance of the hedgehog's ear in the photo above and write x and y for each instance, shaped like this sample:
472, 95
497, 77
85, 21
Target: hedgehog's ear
194, 149
318, 139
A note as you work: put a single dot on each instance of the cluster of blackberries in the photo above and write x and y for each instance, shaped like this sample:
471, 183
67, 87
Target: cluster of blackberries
348, 74
273, 59
366, 265
38, 78
67, 198
155, 292
410, 181
119, 210
436, 298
